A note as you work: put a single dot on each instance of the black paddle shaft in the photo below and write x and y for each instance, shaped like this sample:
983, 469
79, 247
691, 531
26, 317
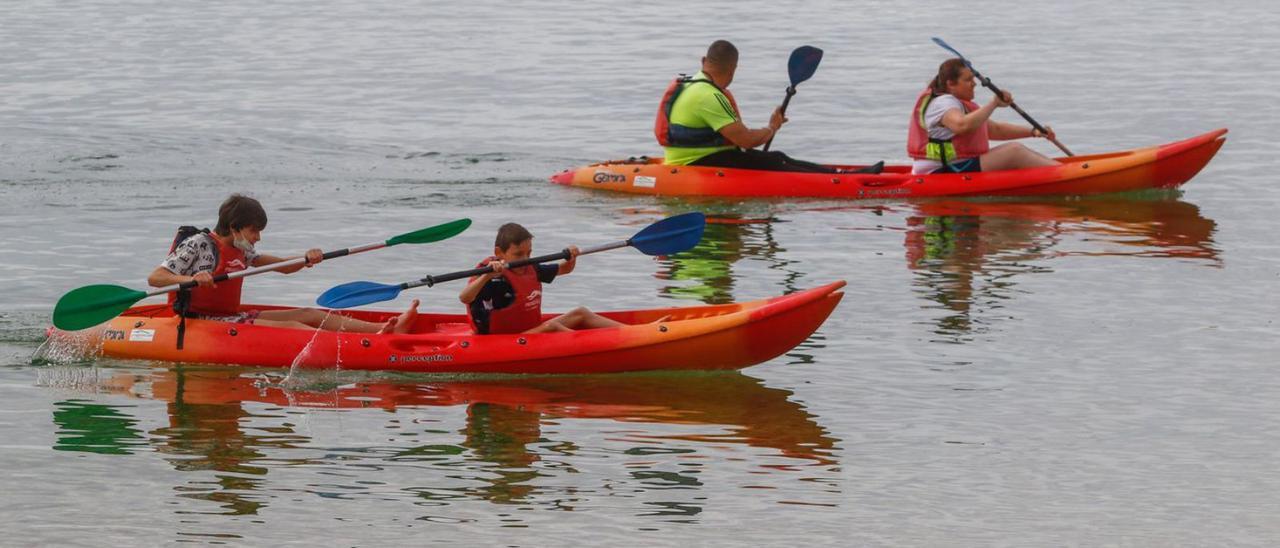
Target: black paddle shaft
791, 91
986, 82
433, 280
227, 275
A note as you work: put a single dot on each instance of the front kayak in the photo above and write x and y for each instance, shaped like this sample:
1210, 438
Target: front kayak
728, 336
1164, 166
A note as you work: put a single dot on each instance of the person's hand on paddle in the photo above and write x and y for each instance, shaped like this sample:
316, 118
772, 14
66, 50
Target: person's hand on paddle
496, 267
205, 279
1047, 133
1003, 99
313, 257
777, 119
572, 261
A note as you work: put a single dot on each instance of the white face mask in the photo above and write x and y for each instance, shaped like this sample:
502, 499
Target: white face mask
242, 244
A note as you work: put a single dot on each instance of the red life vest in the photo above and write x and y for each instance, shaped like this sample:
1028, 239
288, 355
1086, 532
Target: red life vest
676, 135
223, 300
525, 311
921, 147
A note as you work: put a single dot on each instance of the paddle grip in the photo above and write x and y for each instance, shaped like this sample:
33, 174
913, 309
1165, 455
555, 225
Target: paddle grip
791, 91
192, 284
433, 280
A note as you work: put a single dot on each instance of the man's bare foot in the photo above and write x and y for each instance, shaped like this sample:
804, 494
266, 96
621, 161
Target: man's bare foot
389, 326
406, 320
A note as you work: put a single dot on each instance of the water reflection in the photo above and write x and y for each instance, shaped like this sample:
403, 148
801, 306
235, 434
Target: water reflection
95, 428
705, 273
968, 254
519, 436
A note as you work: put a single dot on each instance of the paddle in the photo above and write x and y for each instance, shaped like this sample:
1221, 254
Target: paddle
803, 63
93, 304
986, 82
670, 235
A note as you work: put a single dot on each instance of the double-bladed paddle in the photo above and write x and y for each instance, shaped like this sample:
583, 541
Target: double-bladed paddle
670, 235
93, 304
800, 67
986, 82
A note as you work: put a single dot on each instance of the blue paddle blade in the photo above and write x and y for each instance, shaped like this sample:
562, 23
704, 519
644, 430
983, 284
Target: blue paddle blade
670, 235
356, 294
803, 63
946, 46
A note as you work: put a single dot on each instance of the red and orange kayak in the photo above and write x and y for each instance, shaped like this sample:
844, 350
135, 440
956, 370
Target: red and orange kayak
1164, 166
729, 336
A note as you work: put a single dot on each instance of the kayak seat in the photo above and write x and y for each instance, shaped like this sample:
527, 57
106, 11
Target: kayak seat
872, 169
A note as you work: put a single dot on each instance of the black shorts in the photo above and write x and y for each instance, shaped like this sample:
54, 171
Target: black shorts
968, 165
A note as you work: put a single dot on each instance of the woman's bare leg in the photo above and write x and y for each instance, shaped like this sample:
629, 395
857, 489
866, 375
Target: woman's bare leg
1014, 156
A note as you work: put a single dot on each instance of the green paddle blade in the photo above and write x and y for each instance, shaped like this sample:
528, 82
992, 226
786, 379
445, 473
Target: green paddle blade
432, 234
93, 304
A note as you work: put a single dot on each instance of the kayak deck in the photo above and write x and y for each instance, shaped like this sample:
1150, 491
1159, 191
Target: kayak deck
729, 336
1163, 166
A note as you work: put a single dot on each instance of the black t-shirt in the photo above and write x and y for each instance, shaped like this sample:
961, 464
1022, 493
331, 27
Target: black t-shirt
498, 294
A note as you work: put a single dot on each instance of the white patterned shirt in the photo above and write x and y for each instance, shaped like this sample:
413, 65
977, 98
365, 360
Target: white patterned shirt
198, 253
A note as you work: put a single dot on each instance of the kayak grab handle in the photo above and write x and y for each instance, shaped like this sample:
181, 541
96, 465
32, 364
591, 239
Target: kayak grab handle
884, 182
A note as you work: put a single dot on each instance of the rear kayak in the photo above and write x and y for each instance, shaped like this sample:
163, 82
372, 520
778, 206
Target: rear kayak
1163, 166
729, 336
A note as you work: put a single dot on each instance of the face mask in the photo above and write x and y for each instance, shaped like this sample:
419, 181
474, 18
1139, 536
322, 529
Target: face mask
243, 245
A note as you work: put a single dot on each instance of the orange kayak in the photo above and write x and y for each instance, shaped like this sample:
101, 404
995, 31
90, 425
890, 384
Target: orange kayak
1164, 166
729, 336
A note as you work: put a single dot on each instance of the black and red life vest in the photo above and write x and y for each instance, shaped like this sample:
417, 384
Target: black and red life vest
525, 311
676, 135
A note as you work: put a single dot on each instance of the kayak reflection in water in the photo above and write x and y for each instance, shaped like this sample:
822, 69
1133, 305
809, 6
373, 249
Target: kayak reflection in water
200, 255
969, 255
509, 300
950, 133
698, 122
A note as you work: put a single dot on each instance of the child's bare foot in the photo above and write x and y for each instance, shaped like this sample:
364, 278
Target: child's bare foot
389, 326
406, 320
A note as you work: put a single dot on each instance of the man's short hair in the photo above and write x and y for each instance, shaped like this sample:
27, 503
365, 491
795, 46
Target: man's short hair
722, 54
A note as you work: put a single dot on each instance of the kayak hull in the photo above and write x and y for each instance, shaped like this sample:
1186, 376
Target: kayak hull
730, 336
1163, 166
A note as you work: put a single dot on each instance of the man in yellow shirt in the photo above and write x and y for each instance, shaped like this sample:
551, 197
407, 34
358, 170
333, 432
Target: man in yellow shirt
699, 123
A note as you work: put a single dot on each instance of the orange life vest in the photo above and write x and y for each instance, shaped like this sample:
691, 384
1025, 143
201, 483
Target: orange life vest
921, 147
223, 300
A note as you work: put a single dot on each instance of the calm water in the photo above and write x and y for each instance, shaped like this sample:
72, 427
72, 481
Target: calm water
1031, 372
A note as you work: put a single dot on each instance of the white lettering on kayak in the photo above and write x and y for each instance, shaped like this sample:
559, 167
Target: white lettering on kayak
142, 335
645, 182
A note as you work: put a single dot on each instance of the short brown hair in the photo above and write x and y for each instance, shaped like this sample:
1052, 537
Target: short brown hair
511, 234
950, 70
240, 212
722, 54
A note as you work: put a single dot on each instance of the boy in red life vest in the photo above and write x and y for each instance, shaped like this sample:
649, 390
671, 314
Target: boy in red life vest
229, 248
510, 300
